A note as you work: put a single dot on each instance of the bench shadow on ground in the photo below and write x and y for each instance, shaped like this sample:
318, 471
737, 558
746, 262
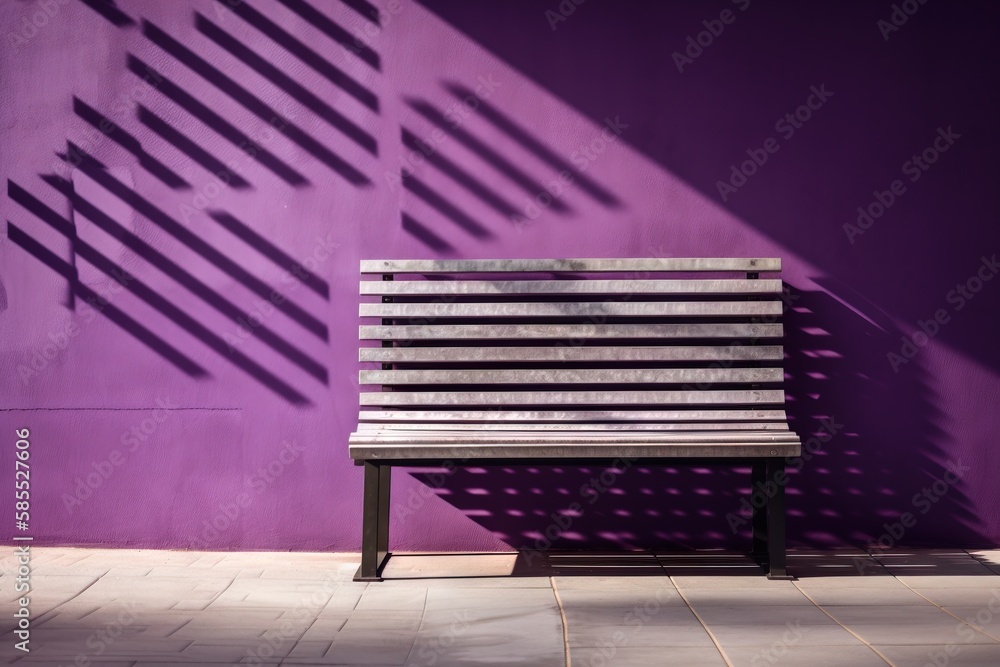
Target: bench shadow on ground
851, 489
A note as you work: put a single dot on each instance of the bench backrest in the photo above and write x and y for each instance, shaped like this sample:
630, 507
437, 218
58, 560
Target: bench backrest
674, 344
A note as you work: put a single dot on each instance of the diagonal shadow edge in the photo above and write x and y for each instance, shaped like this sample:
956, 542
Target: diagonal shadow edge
216, 167
313, 59
160, 261
217, 123
171, 312
514, 173
109, 310
284, 261
80, 159
256, 106
519, 134
129, 142
293, 88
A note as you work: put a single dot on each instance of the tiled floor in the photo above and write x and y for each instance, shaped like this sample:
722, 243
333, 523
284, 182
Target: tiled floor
93, 607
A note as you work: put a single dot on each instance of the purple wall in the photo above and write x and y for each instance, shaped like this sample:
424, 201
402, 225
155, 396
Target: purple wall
219, 386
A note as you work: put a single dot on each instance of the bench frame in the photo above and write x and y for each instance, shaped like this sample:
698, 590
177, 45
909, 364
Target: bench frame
767, 522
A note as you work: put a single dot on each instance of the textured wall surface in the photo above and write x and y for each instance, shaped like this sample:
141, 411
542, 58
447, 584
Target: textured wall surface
190, 186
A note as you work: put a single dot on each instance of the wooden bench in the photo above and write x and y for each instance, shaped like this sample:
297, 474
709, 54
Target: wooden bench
572, 361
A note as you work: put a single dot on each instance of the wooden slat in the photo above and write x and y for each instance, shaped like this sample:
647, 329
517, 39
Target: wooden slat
572, 376
573, 353
557, 265
567, 331
471, 452
638, 398
542, 287
522, 427
629, 417
562, 438
573, 309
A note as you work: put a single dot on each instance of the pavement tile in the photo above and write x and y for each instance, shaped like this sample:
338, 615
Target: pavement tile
943, 655
669, 626
983, 618
489, 636
964, 596
304, 609
378, 597
983, 580
784, 655
741, 615
771, 633
875, 595
644, 656
751, 597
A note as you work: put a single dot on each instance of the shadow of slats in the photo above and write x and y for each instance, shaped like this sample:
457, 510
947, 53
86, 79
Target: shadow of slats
365, 8
208, 161
294, 89
108, 10
253, 104
334, 31
104, 222
513, 130
184, 363
228, 266
290, 43
489, 155
114, 132
216, 122
459, 175
444, 207
425, 235
277, 255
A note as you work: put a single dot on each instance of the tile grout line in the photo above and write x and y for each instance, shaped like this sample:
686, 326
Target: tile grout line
851, 632
562, 615
711, 635
974, 626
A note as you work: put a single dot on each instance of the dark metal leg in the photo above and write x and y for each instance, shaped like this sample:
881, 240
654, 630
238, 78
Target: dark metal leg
758, 474
375, 522
776, 520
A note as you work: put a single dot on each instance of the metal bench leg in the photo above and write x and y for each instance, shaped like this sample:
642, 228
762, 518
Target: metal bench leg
758, 475
776, 522
375, 522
